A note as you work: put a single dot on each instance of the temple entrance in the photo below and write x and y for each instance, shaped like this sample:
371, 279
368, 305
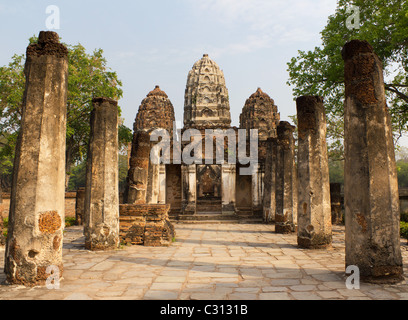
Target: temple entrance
243, 194
209, 194
173, 188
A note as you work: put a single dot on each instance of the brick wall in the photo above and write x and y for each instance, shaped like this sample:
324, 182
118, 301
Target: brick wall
147, 225
69, 204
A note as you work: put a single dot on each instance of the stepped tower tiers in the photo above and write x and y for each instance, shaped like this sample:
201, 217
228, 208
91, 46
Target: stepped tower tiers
260, 112
206, 98
156, 111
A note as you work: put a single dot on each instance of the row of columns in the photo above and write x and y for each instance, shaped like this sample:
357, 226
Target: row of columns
371, 190
37, 210
371, 201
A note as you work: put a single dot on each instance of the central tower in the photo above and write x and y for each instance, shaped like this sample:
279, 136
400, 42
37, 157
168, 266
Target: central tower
206, 103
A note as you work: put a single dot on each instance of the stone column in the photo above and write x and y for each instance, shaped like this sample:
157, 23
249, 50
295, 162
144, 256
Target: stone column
80, 206
269, 205
314, 210
228, 179
137, 180
285, 179
153, 180
162, 184
37, 211
189, 189
101, 219
2, 239
370, 188
255, 189
335, 196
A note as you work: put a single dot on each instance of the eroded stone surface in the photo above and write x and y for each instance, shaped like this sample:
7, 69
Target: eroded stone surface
314, 207
286, 180
101, 209
371, 187
35, 229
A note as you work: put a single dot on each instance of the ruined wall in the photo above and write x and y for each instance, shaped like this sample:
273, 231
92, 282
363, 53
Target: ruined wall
147, 225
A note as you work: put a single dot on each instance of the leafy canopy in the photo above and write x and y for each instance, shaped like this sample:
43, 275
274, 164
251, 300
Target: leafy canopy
384, 24
89, 77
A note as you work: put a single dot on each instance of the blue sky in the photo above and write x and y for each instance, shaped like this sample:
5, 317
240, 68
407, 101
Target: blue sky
157, 42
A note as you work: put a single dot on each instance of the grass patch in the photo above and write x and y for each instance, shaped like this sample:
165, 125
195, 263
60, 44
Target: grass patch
404, 229
69, 222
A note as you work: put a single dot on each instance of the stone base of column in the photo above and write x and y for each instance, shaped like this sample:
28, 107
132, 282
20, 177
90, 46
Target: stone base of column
315, 242
189, 209
285, 228
337, 216
228, 209
257, 211
29, 274
101, 238
394, 275
268, 215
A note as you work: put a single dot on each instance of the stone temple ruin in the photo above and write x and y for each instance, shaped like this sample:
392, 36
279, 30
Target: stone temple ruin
280, 185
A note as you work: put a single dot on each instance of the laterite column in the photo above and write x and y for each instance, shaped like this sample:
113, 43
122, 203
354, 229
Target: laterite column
37, 211
101, 216
285, 178
314, 210
370, 188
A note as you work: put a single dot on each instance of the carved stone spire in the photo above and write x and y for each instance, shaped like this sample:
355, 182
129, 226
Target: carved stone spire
206, 98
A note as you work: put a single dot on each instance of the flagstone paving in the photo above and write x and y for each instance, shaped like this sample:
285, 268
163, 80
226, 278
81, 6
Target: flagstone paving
208, 262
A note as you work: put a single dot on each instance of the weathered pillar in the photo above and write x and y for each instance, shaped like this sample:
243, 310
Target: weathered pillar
153, 185
37, 213
285, 179
101, 219
370, 188
228, 179
80, 207
335, 197
2, 239
256, 203
137, 180
162, 184
269, 203
314, 210
189, 189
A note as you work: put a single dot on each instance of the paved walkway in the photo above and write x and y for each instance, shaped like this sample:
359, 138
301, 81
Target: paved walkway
208, 262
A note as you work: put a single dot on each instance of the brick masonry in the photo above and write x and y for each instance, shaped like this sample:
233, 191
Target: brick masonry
69, 204
147, 225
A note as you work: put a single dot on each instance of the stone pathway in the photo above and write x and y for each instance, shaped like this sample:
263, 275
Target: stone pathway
208, 262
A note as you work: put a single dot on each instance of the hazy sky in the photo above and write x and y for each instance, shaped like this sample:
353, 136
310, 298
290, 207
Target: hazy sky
157, 42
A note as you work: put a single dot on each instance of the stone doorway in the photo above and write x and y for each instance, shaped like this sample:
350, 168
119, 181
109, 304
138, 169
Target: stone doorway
209, 193
173, 188
243, 194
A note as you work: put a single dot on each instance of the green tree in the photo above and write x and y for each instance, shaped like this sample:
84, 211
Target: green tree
78, 173
89, 77
384, 24
402, 167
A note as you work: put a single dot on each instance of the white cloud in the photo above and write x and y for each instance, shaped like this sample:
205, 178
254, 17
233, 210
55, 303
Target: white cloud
274, 20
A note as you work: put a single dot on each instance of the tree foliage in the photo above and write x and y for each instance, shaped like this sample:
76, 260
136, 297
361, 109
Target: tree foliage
89, 77
384, 24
